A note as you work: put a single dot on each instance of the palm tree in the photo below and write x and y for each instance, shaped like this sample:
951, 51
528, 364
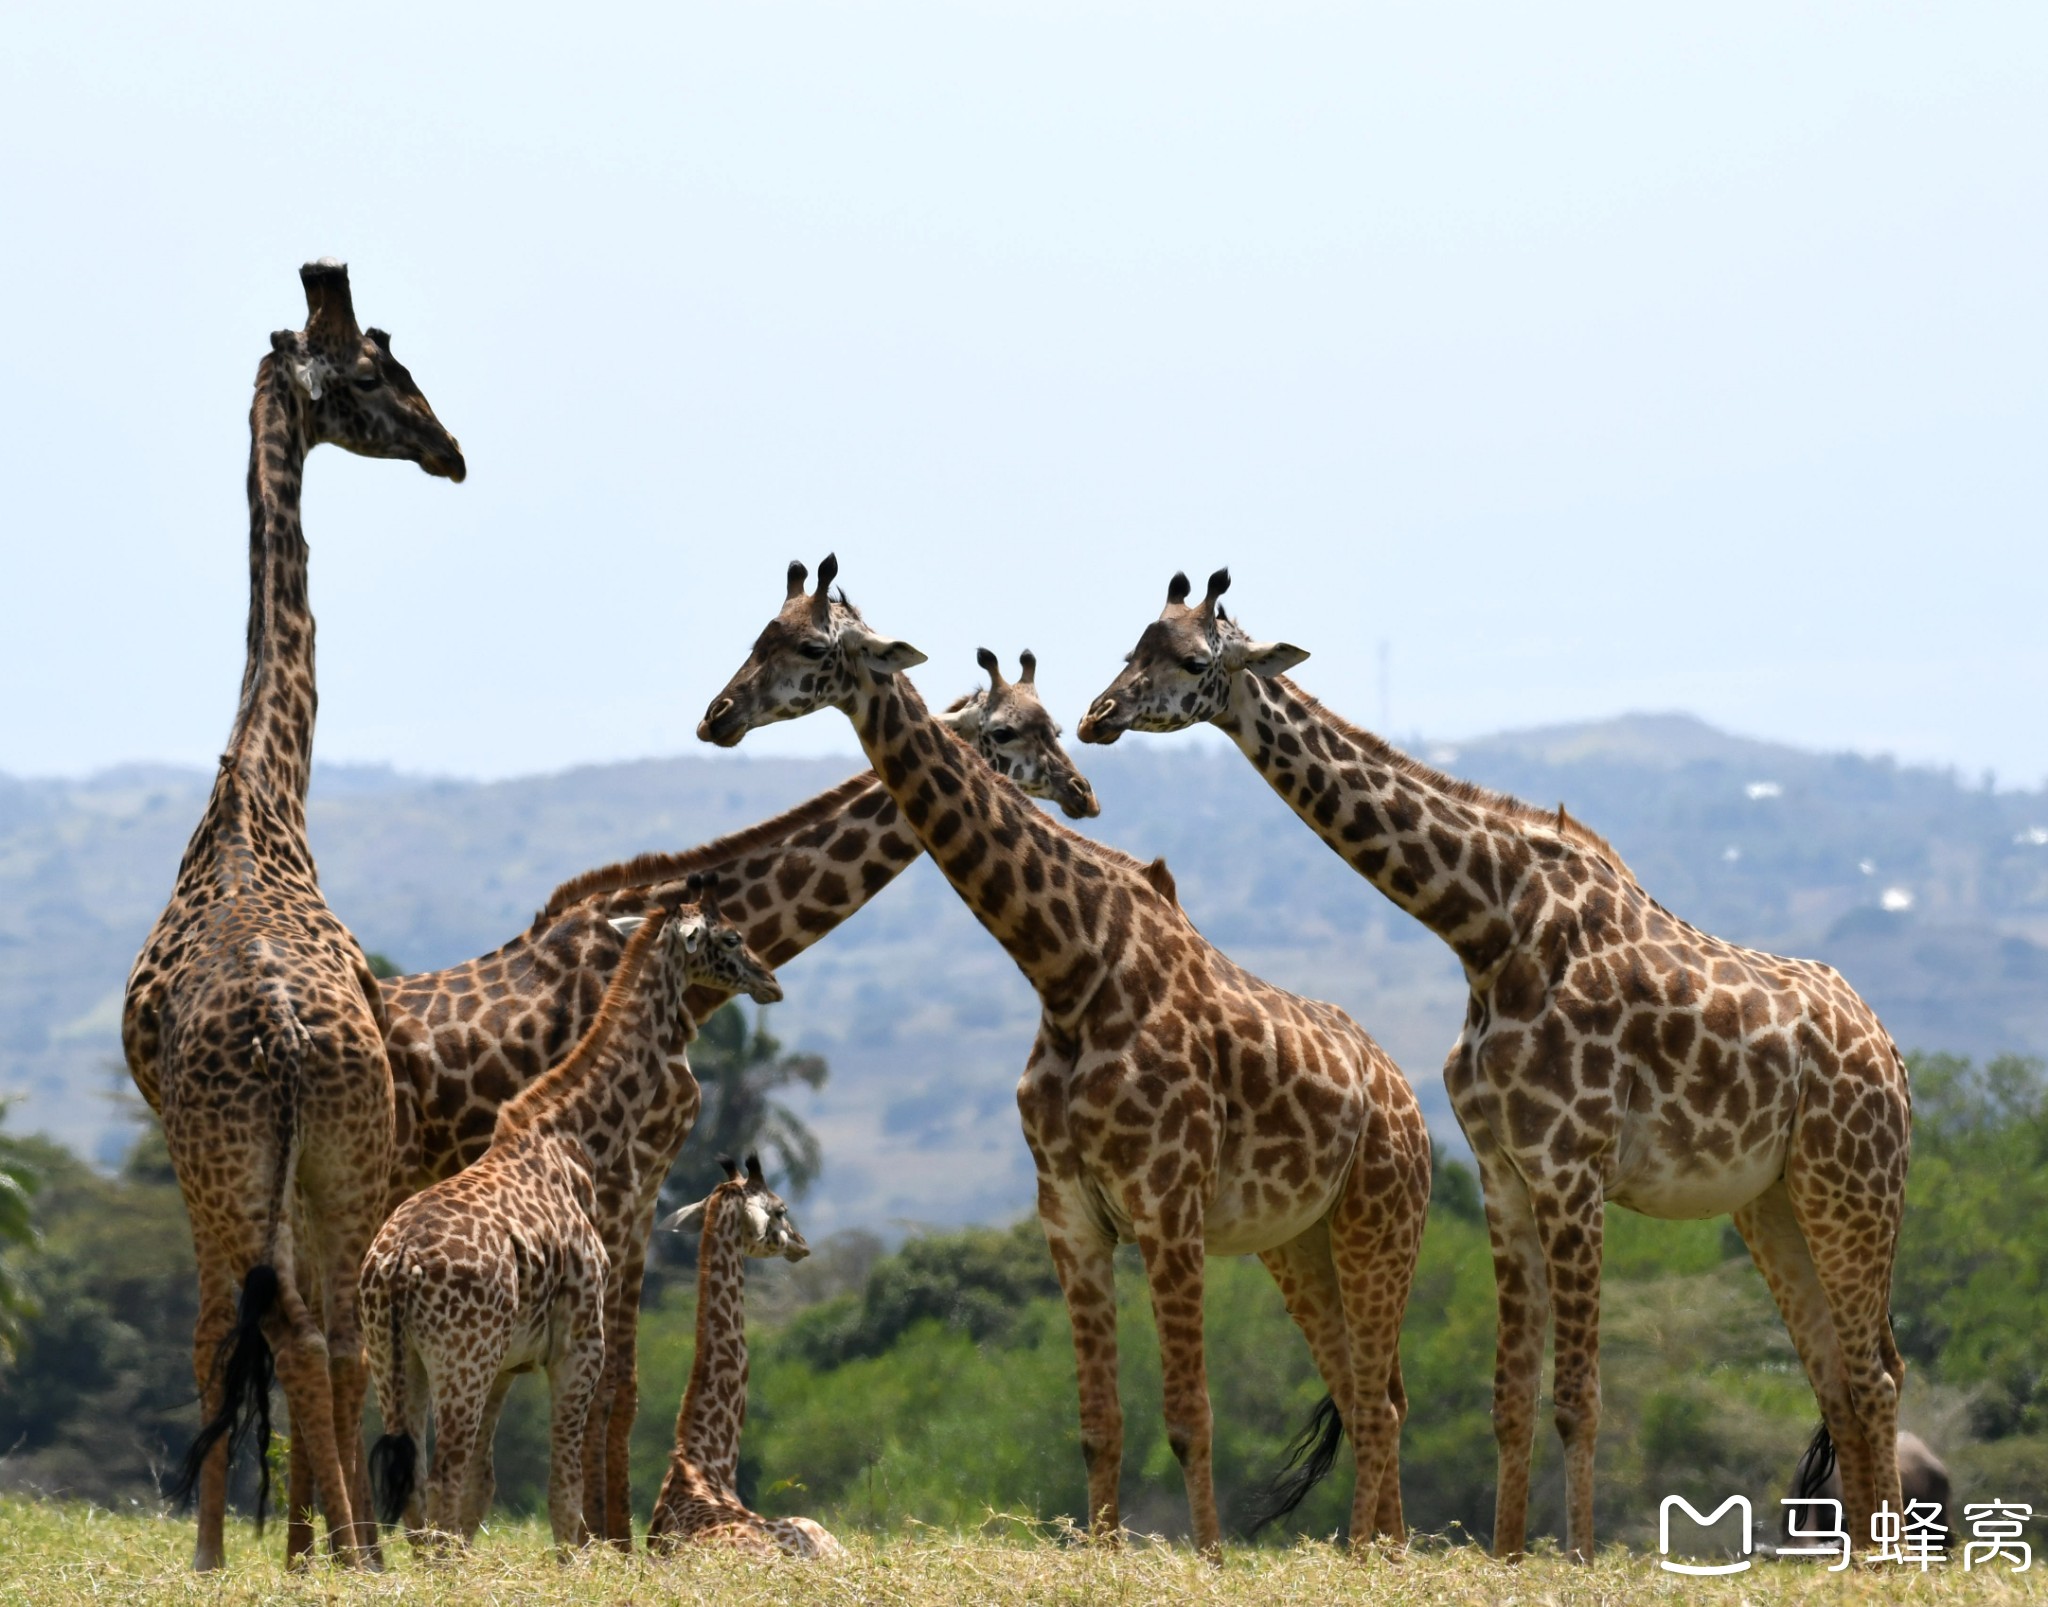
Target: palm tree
742, 1069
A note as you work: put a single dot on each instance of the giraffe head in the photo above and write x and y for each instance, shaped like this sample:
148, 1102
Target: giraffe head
355, 394
1181, 671
813, 654
765, 1226
1011, 729
707, 950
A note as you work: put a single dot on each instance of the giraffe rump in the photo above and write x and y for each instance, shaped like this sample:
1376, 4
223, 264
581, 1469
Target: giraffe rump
246, 1370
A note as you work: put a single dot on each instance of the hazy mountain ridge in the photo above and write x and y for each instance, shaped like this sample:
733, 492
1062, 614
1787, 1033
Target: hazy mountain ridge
927, 1023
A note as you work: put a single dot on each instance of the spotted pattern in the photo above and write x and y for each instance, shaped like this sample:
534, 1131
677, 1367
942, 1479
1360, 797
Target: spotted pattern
252, 1024
464, 1040
1171, 1099
504, 1267
1610, 1051
699, 1501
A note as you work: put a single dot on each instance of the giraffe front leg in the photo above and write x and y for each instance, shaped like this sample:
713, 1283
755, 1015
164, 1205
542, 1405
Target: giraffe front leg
1570, 1217
1522, 1291
1174, 1270
1085, 1263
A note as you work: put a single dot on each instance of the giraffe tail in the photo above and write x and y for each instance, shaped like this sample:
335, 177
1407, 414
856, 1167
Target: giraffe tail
246, 1370
1310, 1455
394, 1459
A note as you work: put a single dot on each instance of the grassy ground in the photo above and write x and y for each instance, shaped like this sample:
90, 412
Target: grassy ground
52, 1553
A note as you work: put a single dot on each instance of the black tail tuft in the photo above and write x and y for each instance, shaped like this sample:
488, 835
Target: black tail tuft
1310, 1455
1815, 1464
393, 1461
246, 1371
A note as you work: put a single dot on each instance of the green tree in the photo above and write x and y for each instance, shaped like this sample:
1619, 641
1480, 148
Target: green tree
18, 1238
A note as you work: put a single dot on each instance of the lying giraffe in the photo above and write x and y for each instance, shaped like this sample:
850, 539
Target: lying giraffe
464, 1040
699, 1499
1171, 1100
1610, 1052
503, 1267
252, 1024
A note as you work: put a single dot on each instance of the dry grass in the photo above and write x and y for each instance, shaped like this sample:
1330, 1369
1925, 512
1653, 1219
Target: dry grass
53, 1553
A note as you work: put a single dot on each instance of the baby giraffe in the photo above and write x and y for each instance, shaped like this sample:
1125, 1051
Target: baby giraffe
699, 1499
502, 1268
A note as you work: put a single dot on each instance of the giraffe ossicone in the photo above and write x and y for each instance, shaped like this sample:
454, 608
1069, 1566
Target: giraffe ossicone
1610, 1052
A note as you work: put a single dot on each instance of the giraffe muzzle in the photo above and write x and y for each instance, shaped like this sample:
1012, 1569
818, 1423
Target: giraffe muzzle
719, 724
1097, 726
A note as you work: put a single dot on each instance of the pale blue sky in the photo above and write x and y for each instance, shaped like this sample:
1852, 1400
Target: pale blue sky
1595, 358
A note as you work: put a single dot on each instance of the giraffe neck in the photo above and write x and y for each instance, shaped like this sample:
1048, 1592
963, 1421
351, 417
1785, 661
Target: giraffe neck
715, 1402
1453, 858
603, 1103
272, 743
1024, 876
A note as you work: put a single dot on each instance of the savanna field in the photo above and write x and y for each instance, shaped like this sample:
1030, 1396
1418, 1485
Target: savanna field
66, 1553
920, 1403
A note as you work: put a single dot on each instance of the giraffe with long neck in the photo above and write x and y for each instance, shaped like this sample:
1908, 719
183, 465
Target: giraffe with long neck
464, 1040
252, 1022
504, 1266
1171, 1099
699, 1498
1610, 1052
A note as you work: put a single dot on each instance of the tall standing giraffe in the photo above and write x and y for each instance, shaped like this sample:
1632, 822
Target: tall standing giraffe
252, 1024
699, 1498
1171, 1099
464, 1040
504, 1266
1610, 1052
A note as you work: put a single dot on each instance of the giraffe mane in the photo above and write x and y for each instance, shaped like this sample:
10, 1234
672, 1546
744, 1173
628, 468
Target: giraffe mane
645, 870
521, 1109
1490, 799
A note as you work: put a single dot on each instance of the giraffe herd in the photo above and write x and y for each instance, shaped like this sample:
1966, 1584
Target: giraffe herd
437, 1181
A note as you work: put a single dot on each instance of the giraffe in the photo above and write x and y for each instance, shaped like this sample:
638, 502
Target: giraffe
251, 1020
699, 1498
1610, 1052
465, 1039
1171, 1099
503, 1267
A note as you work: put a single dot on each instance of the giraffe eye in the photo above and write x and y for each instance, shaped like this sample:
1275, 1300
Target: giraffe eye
1194, 666
1002, 734
811, 649
367, 382
731, 940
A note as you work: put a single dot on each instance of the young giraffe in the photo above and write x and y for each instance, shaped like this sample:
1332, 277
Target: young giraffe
1171, 1099
1610, 1052
462, 1041
699, 1498
503, 1267
252, 1021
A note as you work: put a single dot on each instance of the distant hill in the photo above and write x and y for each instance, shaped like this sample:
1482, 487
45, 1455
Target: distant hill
1931, 895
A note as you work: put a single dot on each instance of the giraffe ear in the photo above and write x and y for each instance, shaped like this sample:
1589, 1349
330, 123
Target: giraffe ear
963, 719
627, 925
1269, 658
688, 1217
881, 654
691, 932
